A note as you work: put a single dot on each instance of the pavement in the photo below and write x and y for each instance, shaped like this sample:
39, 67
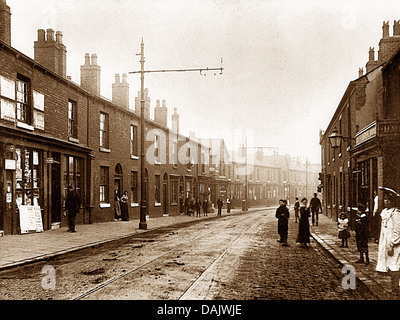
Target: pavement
326, 234
17, 250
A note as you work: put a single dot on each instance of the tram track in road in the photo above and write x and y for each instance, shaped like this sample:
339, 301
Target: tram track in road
187, 294
200, 257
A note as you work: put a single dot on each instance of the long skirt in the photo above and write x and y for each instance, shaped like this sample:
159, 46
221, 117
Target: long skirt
124, 211
304, 231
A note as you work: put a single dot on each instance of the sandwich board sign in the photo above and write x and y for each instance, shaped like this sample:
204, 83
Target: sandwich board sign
30, 218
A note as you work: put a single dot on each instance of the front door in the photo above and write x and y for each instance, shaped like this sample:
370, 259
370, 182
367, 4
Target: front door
55, 192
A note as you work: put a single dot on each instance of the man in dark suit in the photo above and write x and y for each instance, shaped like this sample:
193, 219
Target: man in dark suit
72, 205
282, 214
220, 203
316, 208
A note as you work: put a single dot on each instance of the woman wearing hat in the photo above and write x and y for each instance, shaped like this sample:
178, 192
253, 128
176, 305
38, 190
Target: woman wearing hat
389, 241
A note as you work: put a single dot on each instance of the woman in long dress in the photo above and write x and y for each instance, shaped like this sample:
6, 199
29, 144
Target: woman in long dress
124, 206
389, 242
303, 236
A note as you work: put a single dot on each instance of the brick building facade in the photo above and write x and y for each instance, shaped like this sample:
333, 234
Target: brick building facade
56, 133
368, 119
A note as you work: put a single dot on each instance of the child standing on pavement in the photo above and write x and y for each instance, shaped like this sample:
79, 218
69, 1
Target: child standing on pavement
344, 233
361, 229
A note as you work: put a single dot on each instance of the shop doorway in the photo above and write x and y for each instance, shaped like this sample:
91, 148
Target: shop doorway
56, 189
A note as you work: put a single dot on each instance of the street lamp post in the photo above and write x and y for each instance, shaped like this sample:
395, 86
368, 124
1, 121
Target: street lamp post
143, 199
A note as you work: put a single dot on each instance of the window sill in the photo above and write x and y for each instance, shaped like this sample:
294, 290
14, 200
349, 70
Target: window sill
24, 125
106, 150
157, 204
134, 205
105, 205
134, 157
72, 139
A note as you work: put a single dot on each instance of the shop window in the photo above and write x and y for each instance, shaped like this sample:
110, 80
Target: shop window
72, 119
104, 184
28, 177
73, 175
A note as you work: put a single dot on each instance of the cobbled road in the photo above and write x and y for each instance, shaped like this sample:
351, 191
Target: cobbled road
235, 257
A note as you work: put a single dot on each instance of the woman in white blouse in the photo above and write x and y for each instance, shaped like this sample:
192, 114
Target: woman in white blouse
389, 241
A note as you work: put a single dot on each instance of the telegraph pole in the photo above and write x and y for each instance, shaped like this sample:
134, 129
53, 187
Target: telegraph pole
143, 200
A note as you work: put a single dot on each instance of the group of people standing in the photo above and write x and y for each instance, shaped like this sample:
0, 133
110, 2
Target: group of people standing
388, 259
121, 211
302, 214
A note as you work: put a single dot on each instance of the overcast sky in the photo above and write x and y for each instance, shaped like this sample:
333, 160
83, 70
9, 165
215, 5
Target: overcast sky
286, 63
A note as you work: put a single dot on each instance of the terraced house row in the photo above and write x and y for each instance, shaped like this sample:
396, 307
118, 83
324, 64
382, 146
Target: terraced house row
55, 133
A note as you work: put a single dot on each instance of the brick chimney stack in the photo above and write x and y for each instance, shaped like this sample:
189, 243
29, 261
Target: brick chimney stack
5, 22
161, 113
90, 74
51, 52
388, 46
120, 91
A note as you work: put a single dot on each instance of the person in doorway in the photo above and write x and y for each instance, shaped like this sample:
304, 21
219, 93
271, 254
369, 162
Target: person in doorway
117, 207
124, 206
282, 214
362, 231
389, 241
316, 208
205, 207
296, 210
343, 226
220, 204
72, 206
303, 236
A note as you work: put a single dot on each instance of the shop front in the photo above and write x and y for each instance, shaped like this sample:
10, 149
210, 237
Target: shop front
34, 176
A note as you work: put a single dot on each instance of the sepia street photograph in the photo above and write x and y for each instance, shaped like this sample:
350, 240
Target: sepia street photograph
199, 158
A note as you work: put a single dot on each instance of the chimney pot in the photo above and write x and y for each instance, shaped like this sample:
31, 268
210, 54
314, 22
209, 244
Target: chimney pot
50, 35
124, 78
385, 29
59, 37
117, 78
94, 59
41, 35
396, 28
87, 59
371, 54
